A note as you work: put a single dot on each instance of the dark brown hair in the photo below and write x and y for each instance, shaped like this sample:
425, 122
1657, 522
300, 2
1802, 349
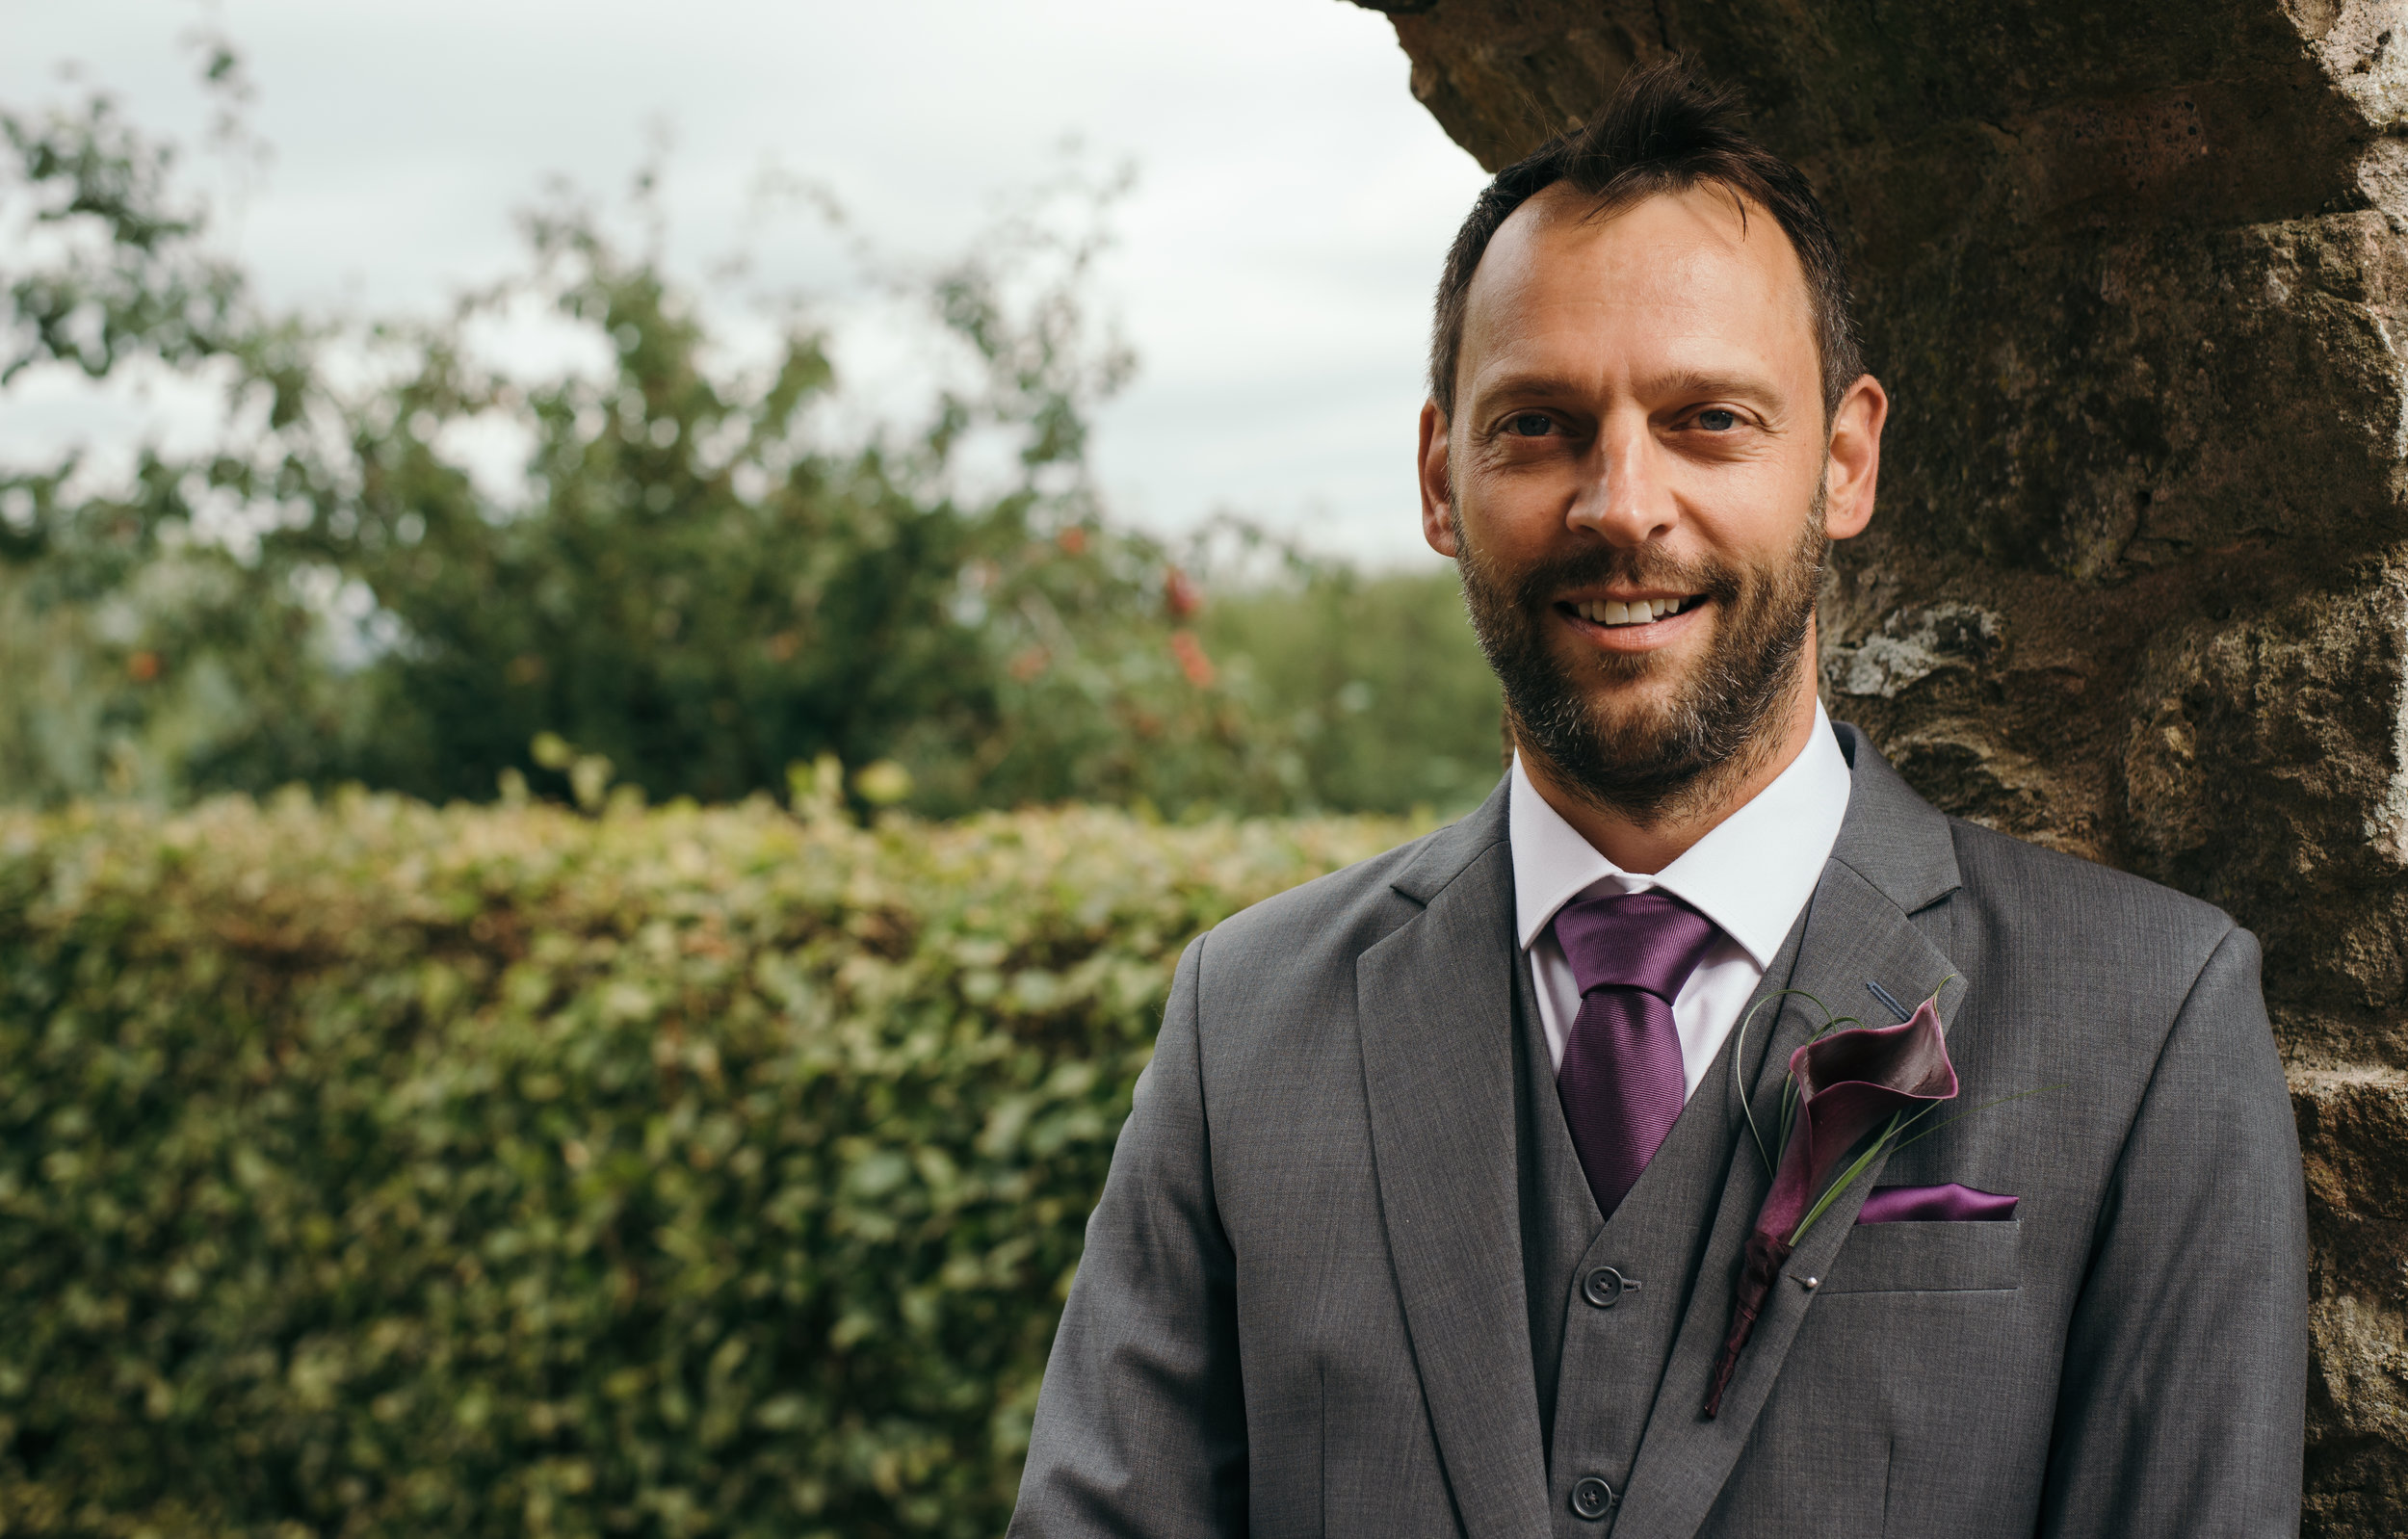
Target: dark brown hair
1666, 130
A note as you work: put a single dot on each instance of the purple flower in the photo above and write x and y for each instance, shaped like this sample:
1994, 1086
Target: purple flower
1849, 1087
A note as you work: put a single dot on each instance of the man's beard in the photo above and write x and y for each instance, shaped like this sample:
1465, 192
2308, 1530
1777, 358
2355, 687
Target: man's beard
1648, 762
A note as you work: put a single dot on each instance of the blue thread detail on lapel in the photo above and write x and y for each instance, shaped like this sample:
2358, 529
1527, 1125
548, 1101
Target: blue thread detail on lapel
1886, 998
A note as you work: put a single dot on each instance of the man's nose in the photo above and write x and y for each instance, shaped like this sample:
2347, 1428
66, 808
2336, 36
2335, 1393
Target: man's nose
1621, 494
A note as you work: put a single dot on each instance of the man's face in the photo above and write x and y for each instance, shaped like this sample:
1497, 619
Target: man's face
1636, 486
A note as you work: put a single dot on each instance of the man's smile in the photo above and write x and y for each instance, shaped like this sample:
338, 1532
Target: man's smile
1636, 623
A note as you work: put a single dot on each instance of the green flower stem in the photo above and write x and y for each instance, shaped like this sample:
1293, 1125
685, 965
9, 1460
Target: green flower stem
1841, 1185
1739, 1056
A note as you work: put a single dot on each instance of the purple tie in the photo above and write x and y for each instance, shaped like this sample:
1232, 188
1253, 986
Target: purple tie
1620, 1080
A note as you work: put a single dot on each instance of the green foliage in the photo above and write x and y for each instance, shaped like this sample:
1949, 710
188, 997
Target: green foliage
373, 1169
147, 290
89, 700
687, 571
689, 576
1372, 686
697, 588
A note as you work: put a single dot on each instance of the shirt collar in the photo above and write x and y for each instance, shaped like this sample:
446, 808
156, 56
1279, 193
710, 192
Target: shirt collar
1750, 874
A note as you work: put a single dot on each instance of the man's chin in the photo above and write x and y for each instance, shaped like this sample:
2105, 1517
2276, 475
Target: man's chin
1637, 777
1634, 744
1637, 744
1628, 724
1614, 686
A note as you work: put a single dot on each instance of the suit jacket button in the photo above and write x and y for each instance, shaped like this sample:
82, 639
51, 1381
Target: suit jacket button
1603, 1287
1591, 1497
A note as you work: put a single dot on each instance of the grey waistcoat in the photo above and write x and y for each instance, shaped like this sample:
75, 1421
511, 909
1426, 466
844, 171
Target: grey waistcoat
1607, 1299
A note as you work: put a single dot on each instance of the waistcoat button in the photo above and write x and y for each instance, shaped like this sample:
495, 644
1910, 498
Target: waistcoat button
1591, 1497
1603, 1287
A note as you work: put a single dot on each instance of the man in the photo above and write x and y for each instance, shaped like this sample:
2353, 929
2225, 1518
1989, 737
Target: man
1430, 1211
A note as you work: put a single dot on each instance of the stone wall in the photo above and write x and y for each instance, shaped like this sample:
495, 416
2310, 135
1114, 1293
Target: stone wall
2139, 587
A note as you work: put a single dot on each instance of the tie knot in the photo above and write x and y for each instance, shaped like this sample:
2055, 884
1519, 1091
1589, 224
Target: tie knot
1648, 940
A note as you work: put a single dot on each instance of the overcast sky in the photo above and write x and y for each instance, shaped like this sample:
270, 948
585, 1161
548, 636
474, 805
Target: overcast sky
1273, 263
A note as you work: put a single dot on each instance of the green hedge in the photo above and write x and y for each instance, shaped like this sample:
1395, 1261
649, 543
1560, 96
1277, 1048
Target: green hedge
369, 1168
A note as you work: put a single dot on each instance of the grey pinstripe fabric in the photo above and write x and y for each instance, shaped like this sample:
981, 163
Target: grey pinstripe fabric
1303, 1307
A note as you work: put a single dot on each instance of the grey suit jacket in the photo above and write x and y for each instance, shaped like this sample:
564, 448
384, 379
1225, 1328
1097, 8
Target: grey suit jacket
1300, 1309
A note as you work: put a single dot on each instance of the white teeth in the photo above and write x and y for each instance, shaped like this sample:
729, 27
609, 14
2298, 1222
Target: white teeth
1639, 612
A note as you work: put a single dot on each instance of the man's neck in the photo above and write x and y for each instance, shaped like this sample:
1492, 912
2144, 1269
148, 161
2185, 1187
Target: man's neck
1647, 847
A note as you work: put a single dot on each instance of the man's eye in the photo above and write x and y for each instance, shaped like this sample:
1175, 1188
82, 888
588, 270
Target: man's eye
1529, 425
1714, 419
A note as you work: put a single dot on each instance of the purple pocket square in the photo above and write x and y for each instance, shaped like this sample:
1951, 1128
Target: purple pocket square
1926, 1204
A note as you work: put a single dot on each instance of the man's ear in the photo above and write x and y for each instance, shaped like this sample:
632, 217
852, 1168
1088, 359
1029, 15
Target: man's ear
1437, 495
1852, 467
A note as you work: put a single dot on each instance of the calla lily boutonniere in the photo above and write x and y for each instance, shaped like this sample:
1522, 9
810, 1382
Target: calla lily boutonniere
1851, 1094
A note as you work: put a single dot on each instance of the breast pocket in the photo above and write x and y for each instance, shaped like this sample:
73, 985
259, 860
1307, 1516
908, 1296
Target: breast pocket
1929, 1258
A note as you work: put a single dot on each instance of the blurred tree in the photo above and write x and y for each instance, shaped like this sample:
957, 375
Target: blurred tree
693, 584
686, 573
136, 656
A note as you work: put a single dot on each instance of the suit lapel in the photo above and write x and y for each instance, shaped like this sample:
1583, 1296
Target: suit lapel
1893, 861
1436, 1020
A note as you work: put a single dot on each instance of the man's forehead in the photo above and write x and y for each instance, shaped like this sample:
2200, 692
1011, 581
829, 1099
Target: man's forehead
1701, 260
1654, 241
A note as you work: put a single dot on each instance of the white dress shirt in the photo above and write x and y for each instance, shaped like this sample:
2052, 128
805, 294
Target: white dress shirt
1751, 876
